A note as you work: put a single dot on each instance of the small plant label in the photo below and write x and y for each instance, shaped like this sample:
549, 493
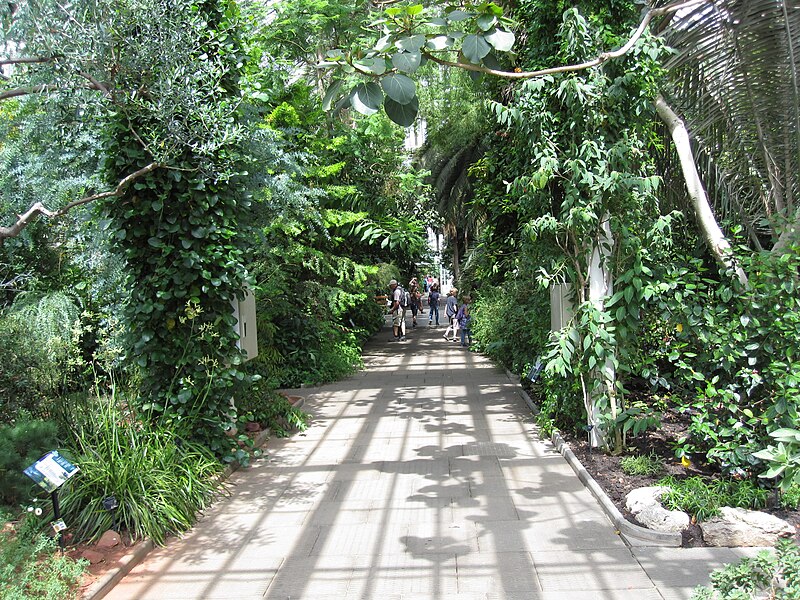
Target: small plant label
59, 526
51, 471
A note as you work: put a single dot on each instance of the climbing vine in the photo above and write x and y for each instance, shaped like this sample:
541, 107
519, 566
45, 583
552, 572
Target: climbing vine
179, 228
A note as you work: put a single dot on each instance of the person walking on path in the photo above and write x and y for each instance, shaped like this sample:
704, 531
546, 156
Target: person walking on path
450, 310
464, 319
433, 302
416, 300
398, 312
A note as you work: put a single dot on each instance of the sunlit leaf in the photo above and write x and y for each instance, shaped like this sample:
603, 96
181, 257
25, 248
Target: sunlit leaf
502, 41
475, 48
399, 88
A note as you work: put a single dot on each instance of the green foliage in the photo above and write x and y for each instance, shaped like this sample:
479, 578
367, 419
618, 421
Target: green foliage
39, 339
22, 444
702, 497
509, 324
790, 499
160, 478
770, 574
179, 228
275, 412
733, 353
409, 36
784, 459
32, 568
642, 464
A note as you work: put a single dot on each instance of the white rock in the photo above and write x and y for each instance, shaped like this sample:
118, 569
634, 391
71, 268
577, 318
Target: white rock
740, 527
645, 506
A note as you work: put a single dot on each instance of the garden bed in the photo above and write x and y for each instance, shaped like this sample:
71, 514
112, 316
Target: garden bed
607, 471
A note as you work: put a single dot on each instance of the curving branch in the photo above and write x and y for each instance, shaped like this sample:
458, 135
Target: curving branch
37, 209
651, 14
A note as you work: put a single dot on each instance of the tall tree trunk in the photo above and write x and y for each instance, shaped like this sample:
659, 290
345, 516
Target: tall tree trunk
717, 242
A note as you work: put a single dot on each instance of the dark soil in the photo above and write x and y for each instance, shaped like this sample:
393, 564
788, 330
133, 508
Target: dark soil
607, 472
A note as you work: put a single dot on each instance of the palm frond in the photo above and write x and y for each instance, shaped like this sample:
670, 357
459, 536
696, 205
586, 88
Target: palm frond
734, 80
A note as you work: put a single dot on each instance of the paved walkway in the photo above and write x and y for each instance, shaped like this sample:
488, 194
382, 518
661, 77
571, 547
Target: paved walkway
422, 477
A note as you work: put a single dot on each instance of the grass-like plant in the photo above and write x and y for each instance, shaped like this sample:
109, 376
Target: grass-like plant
642, 464
767, 575
31, 567
160, 480
703, 497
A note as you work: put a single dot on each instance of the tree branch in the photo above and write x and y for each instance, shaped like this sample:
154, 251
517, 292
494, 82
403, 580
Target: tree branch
37, 209
26, 60
47, 87
715, 239
600, 59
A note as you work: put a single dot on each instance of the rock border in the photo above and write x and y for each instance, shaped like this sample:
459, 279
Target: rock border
106, 583
632, 534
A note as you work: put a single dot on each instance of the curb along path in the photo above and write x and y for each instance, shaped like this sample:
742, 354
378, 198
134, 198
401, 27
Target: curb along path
421, 477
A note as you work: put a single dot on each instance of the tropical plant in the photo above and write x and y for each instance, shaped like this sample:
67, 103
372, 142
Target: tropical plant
728, 78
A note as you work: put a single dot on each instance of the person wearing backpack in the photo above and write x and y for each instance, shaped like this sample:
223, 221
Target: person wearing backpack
398, 311
433, 302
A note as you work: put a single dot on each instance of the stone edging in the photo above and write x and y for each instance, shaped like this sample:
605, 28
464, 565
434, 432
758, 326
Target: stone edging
633, 535
106, 583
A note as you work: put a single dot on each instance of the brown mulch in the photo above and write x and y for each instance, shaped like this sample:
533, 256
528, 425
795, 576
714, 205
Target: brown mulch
607, 471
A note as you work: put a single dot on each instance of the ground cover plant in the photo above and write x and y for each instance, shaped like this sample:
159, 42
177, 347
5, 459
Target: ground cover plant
768, 575
31, 567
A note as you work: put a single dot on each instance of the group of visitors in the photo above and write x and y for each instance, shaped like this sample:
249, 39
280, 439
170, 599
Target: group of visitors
458, 316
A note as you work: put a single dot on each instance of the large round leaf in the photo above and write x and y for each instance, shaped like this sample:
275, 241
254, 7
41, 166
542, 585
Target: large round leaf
370, 95
412, 43
357, 104
402, 114
399, 88
376, 66
486, 22
408, 62
501, 40
475, 48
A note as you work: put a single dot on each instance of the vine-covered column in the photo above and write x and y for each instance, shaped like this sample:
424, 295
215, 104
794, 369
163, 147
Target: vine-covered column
177, 90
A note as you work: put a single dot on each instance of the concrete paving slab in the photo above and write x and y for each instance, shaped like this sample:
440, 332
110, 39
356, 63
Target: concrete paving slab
591, 570
421, 477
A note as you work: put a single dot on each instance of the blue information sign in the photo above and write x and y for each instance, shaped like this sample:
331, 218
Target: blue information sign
51, 471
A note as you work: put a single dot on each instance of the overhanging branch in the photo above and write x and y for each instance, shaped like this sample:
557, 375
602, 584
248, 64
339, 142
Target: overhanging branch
37, 209
600, 59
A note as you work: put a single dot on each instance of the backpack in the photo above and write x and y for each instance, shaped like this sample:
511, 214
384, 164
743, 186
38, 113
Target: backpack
405, 297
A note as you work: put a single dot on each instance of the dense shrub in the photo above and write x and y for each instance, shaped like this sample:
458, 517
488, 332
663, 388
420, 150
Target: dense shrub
767, 575
21, 445
39, 345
